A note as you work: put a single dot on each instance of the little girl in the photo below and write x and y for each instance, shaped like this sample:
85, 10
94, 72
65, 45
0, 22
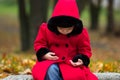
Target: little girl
62, 46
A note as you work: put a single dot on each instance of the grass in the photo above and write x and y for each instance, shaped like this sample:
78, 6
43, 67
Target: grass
8, 9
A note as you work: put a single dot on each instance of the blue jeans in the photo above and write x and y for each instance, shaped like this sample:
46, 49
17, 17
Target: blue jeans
53, 73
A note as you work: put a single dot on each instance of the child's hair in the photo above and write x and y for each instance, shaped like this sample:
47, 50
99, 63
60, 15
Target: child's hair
65, 21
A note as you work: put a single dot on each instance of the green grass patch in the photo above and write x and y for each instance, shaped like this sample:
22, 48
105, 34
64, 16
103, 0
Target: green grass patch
8, 9
85, 17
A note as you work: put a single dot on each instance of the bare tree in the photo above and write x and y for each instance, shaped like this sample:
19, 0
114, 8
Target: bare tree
24, 26
110, 17
94, 13
38, 14
54, 1
82, 4
29, 24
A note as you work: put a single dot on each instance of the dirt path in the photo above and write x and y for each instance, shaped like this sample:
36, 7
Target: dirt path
105, 47
9, 34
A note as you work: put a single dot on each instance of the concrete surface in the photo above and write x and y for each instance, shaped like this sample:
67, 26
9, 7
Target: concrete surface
101, 76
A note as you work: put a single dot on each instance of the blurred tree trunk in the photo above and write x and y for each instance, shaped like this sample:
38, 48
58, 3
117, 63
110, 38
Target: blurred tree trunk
54, 1
82, 4
24, 26
52, 4
94, 13
110, 17
38, 14
117, 32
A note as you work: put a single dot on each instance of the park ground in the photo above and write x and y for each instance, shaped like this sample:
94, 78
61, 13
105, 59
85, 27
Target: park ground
105, 49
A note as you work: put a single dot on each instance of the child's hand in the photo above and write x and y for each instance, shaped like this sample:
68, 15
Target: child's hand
50, 56
78, 63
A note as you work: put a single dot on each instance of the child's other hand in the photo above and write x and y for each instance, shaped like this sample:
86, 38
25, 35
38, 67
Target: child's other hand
78, 63
50, 56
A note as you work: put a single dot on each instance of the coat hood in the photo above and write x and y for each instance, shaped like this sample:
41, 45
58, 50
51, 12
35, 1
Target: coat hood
66, 8
65, 14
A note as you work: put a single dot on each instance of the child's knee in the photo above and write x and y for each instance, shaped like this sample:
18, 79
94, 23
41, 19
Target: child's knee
53, 68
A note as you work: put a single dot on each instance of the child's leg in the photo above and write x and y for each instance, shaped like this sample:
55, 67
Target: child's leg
53, 73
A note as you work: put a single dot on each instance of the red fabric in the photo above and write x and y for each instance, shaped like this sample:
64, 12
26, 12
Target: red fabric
67, 8
48, 39
76, 44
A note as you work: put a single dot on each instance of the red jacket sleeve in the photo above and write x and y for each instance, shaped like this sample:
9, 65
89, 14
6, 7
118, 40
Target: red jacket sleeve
84, 49
40, 43
84, 44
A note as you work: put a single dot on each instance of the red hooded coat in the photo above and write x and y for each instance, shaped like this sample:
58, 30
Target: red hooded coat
65, 47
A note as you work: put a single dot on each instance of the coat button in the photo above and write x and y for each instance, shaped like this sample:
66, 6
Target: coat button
63, 58
66, 45
57, 45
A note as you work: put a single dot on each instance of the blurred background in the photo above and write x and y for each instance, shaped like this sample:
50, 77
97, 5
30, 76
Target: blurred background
20, 20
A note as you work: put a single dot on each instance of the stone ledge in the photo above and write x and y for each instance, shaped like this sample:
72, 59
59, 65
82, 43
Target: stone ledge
108, 76
101, 76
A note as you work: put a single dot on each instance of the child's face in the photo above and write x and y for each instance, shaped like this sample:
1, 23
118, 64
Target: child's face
65, 31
